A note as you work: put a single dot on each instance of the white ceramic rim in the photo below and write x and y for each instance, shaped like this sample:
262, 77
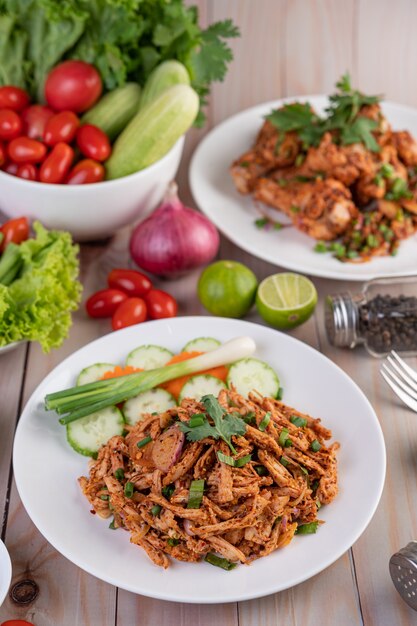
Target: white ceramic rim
5, 572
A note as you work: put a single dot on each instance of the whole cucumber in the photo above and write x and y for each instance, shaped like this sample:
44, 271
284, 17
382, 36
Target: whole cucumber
164, 76
115, 110
153, 131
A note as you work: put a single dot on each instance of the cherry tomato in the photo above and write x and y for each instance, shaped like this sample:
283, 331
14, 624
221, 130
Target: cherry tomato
73, 86
85, 172
15, 231
93, 143
57, 164
34, 120
104, 303
25, 150
132, 282
27, 171
10, 124
16, 622
131, 311
2, 155
13, 98
160, 304
61, 127
11, 168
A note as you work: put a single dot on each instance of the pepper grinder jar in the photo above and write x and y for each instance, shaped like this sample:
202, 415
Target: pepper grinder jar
382, 317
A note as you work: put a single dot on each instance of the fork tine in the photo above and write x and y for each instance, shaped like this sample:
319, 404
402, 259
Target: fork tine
412, 373
403, 374
412, 404
408, 390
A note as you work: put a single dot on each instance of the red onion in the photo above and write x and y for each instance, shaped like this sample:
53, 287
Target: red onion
174, 239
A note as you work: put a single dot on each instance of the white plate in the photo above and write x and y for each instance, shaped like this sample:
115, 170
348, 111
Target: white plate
234, 214
50, 493
5, 572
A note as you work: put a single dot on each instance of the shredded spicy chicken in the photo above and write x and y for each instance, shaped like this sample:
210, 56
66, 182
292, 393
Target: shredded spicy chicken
246, 512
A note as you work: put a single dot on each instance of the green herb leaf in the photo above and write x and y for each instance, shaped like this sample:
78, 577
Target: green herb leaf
321, 247
143, 442
168, 490
300, 422
129, 489
119, 473
284, 461
361, 131
261, 222
196, 493
307, 529
261, 470
266, 419
218, 561
315, 445
283, 437
156, 509
226, 424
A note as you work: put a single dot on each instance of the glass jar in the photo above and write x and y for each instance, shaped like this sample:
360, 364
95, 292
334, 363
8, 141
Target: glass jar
382, 317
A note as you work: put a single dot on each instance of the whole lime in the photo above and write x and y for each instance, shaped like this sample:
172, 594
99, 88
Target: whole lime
227, 288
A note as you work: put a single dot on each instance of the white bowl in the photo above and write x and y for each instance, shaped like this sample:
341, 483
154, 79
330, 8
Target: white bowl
5, 572
92, 211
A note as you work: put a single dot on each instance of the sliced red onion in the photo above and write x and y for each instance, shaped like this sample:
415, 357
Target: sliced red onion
167, 448
284, 522
187, 527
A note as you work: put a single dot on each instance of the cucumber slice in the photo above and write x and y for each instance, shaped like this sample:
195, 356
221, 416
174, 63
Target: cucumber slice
148, 357
89, 433
152, 401
252, 374
92, 373
201, 344
199, 386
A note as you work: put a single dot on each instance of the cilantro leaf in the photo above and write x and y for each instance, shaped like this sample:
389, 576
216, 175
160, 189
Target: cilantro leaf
343, 83
199, 432
295, 116
360, 131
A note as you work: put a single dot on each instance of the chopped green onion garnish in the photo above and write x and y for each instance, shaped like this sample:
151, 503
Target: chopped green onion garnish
303, 469
105, 497
244, 164
386, 170
129, 489
320, 247
285, 462
282, 182
111, 525
168, 491
249, 418
315, 445
143, 442
277, 225
295, 209
280, 393
283, 437
288, 443
314, 485
352, 254
228, 460
219, 561
197, 420
156, 509
318, 504
261, 470
299, 160
372, 241
267, 418
300, 422
243, 460
307, 529
172, 541
119, 474
261, 222
196, 494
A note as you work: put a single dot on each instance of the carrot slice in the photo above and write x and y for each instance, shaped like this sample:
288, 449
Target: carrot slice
120, 371
174, 386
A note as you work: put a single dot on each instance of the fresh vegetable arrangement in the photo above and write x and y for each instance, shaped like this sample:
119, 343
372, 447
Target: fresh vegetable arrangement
124, 40
130, 299
38, 284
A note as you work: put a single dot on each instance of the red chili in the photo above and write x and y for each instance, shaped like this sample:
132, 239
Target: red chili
61, 127
57, 164
132, 282
85, 172
104, 303
131, 311
27, 171
10, 124
13, 98
15, 231
34, 120
160, 304
93, 143
25, 150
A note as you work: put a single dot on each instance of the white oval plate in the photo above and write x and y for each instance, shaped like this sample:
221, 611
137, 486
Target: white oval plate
50, 493
5, 572
234, 214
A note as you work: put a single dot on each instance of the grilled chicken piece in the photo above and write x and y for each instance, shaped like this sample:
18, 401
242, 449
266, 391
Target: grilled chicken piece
406, 146
323, 209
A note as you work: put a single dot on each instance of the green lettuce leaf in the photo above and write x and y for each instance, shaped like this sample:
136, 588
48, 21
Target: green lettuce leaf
37, 305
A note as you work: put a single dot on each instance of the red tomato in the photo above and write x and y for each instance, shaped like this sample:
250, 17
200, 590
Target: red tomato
73, 86
104, 303
25, 150
2, 155
11, 168
93, 143
160, 304
85, 172
16, 622
132, 282
13, 98
10, 124
131, 311
15, 231
57, 164
34, 120
61, 127
27, 171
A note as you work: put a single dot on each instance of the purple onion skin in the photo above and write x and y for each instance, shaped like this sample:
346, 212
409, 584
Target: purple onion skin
174, 240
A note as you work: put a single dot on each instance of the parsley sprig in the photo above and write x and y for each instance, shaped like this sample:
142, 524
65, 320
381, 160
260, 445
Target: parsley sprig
341, 116
225, 424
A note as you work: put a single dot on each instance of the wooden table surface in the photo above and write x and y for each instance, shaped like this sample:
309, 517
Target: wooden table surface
288, 47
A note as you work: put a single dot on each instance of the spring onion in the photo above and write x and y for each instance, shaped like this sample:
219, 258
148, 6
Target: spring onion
267, 418
143, 442
283, 437
280, 393
119, 473
261, 470
83, 400
197, 420
105, 497
228, 460
129, 489
168, 491
219, 561
173, 541
300, 422
315, 445
156, 509
288, 443
112, 525
196, 494
284, 461
307, 529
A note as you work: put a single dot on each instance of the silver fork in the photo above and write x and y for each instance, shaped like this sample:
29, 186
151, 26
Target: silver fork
402, 379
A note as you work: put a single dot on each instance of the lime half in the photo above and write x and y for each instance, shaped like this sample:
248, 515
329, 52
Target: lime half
286, 300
